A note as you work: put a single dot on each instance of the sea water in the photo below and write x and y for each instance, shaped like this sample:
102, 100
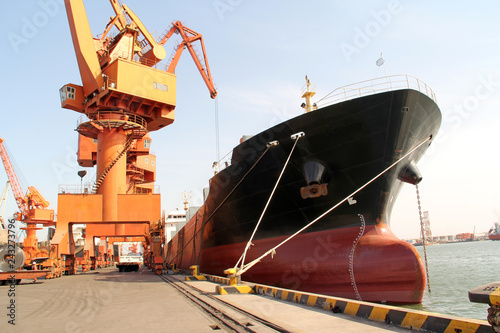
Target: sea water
456, 268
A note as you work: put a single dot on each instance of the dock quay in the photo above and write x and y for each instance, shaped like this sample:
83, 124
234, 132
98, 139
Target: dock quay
106, 300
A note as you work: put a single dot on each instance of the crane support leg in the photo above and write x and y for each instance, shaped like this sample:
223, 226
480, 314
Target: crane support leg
109, 144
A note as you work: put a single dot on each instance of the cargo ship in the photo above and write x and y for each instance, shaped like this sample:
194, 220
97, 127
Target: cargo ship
494, 232
334, 150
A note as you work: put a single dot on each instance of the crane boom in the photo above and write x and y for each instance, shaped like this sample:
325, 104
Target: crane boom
111, 65
122, 22
83, 42
14, 182
156, 52
188, 38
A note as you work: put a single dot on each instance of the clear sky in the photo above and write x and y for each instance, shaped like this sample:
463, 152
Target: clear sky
259, 52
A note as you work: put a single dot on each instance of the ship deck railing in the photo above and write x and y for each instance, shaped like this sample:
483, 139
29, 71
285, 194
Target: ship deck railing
223, 163
356, 90
375, 86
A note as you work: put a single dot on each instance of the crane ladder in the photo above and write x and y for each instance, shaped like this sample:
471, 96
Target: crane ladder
103, 175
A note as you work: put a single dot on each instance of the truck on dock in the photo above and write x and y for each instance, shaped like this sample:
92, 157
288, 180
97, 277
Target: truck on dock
128, 255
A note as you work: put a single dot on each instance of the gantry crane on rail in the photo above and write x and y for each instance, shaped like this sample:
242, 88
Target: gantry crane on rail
33, 211
126, 92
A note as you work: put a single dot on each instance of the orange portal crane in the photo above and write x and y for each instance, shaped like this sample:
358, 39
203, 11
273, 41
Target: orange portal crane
32, 211
125, 94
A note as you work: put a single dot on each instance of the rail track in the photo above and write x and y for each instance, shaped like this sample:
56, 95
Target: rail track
226, 317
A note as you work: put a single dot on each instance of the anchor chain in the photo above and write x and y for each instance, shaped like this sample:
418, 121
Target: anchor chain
494, 317
422, 233
351, 256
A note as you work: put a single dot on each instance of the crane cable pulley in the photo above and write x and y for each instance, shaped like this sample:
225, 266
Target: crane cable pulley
273, 250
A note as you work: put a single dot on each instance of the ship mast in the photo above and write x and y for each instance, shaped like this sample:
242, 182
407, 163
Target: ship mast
308, 106
187, 196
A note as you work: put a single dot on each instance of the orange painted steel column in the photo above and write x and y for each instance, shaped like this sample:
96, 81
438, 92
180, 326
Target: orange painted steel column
30, 243
110, 142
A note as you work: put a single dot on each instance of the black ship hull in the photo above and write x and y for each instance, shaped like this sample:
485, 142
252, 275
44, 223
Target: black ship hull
351, 251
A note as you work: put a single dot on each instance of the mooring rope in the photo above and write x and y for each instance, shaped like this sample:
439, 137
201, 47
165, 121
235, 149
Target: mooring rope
249, 243
422, 232
273, 250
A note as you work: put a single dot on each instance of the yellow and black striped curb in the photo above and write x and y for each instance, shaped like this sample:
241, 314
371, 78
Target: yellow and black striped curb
224, 290
406, 318
217, 279
238, 289
196, 278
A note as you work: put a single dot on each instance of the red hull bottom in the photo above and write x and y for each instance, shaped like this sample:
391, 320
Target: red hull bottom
374, 267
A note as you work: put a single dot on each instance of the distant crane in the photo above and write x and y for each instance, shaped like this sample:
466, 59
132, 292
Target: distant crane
32, 211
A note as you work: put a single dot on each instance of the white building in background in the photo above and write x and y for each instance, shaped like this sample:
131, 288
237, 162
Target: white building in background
427, 227
79, 235
176, 220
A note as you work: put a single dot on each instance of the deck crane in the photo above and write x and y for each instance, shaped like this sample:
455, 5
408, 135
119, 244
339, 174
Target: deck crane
33, 211
125, 93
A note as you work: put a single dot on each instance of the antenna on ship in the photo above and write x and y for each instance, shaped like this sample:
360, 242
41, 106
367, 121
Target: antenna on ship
308, 93
187, 196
